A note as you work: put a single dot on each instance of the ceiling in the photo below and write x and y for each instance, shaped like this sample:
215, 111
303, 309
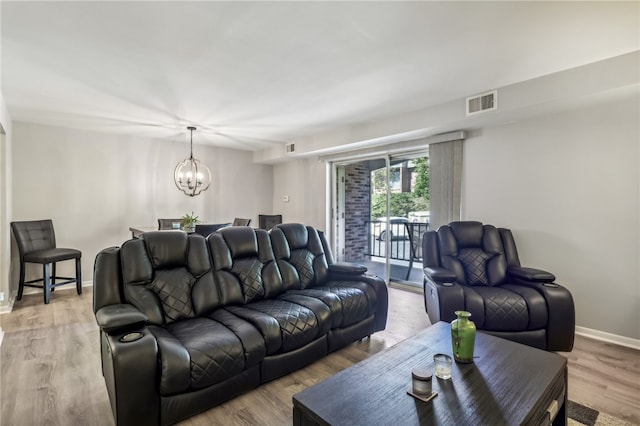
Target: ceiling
253, 74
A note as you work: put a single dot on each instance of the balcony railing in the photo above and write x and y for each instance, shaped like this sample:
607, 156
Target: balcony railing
405, 240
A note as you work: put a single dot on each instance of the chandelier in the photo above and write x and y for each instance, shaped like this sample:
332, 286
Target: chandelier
191, 176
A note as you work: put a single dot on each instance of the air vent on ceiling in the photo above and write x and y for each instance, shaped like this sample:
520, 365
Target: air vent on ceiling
290, 148
482, 103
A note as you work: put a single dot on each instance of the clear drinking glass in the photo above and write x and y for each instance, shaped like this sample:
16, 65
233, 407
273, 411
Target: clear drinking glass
442, 364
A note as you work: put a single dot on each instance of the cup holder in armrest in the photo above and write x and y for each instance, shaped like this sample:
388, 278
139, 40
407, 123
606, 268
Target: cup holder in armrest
131, 337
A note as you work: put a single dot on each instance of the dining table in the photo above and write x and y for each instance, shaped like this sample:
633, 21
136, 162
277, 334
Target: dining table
136, 231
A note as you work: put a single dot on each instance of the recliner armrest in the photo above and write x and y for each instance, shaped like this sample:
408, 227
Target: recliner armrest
439, 275
118, 318
442, 299
347, 268
562, 318
531, 274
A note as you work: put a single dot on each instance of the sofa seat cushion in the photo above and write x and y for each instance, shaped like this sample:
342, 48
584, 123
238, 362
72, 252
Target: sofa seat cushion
366, 289
197, 353
506, 308
285, 326
348, 304
252, 341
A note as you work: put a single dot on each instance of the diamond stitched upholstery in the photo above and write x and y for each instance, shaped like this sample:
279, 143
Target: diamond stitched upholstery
328, 298
474, 261
302, 259
173, 288
504, 310
215, 352
249, 272
298, 325
355, 305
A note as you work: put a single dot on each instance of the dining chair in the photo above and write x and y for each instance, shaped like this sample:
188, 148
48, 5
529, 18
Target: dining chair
268, 221
241, 222
164, 224
206, 229
36, 243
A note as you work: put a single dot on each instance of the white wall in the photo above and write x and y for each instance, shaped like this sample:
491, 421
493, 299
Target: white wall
568, 187
303, 181
520, 100
95, 186
5, 203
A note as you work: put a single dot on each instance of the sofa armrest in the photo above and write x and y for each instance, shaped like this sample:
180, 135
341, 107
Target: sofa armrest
378, 286
382, 294
115, 319
439, 274
130, 370
530, 274
343, 268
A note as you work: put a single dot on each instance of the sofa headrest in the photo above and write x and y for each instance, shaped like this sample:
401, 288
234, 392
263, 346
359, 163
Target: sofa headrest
167, 249
296, 234
241, 241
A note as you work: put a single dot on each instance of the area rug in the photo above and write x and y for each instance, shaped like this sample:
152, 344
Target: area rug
582, 415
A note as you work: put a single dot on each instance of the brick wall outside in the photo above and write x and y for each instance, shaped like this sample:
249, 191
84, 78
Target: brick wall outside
357, 210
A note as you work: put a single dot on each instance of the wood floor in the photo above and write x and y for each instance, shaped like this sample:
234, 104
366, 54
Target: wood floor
50, 368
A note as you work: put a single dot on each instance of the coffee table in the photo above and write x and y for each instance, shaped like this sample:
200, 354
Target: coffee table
507, 384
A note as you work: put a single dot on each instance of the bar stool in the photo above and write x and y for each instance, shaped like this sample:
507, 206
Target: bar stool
36, 242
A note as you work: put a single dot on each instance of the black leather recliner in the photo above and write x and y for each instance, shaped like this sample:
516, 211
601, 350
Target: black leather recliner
474, 267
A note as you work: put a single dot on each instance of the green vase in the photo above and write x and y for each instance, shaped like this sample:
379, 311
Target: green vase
463, 337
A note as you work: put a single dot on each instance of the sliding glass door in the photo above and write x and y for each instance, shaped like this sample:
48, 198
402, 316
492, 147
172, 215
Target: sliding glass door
353, 225
381, 212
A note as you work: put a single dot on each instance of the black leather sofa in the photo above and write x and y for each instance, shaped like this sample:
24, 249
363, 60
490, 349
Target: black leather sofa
475, 267
188, 323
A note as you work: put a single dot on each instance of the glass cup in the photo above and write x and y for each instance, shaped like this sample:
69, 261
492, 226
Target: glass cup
442, 364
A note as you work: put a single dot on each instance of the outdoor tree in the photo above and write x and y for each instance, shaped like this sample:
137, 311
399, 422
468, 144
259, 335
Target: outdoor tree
421, 188
401, 203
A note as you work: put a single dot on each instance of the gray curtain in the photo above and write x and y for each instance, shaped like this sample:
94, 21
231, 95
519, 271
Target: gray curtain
445, 182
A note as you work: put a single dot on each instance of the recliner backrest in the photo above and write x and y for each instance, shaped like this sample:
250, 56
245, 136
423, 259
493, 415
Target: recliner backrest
167, 276
300, 255
244, 265
474, 252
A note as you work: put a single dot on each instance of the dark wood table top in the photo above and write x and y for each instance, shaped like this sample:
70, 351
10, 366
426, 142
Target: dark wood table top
505, 385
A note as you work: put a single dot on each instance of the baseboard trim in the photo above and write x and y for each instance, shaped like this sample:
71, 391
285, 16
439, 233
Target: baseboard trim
603, 336
8, 307
5, 309
406, 287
